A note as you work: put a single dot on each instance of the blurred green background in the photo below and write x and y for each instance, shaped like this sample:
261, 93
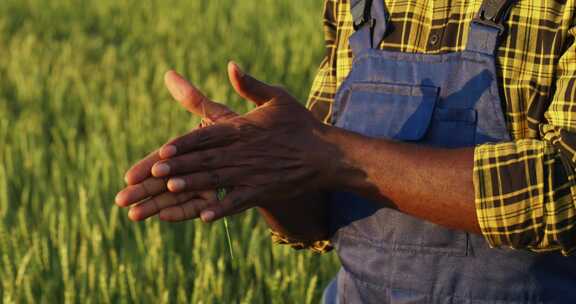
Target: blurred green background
82, 97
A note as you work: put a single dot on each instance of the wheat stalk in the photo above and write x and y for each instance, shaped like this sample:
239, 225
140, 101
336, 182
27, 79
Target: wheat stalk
221, 192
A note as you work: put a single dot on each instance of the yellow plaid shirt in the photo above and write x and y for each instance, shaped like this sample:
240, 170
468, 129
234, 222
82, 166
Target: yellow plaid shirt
525, 188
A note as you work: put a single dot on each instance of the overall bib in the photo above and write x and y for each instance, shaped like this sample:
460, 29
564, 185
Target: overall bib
450, 101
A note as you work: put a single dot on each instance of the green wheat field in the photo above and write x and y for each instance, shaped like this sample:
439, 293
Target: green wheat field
82, 98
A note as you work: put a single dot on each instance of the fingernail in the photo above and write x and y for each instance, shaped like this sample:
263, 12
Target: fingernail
132, 215
207, 215
173, 81
160, 170
238, 69
118, 199
176, 184
168, 151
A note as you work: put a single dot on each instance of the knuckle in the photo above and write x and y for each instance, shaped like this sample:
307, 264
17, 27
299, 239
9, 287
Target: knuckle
199, 207
165, 199
155, 205
278, 88
181, 197
246, 127
208, 195
167, 215
190, 140
187, 141
220, 211
236, 201
206, 158
184, 212
214, 179
146, 188
178, 142
226, 179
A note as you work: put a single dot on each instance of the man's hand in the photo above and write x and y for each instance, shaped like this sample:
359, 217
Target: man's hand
276, 152
151, 197
303, 218
148, 196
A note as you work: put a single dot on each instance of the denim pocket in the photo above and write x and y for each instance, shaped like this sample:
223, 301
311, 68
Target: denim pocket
383, 110
452, 128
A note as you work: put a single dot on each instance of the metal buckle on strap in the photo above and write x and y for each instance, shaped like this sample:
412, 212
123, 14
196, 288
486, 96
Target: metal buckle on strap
361, 13
493, 14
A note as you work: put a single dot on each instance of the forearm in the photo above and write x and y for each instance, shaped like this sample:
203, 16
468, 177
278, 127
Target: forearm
429, 183
304, 219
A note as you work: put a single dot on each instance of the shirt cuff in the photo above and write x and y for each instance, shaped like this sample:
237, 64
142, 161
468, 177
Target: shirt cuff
321, 246
513, 183
485, 212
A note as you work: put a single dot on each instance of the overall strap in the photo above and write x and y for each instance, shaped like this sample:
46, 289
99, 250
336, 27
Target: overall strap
370, 23
487, 26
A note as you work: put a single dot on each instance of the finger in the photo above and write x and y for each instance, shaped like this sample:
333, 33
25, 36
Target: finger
136, 193
205, 138
237, 199
141, 170
209, 195
193, 100
249, 87
192, 162
186, 211
205, 180
155, 204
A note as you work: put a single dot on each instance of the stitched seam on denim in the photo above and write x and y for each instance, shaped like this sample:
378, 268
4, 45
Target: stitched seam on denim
416, 249
402, 89
426, 58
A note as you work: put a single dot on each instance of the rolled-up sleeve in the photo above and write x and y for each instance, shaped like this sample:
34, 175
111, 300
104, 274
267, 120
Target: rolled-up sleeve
526, 189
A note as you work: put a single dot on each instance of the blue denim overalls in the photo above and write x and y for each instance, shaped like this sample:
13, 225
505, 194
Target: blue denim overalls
449, 100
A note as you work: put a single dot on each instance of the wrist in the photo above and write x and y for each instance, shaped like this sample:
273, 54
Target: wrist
301, 218
345, 170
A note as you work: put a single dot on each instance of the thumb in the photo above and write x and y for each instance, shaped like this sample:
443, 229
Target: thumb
193, 100
250, 88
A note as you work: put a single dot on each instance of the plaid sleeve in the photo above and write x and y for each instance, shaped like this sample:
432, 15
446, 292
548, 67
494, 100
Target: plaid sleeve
320, 103
324, 85
525, 189
320, 247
